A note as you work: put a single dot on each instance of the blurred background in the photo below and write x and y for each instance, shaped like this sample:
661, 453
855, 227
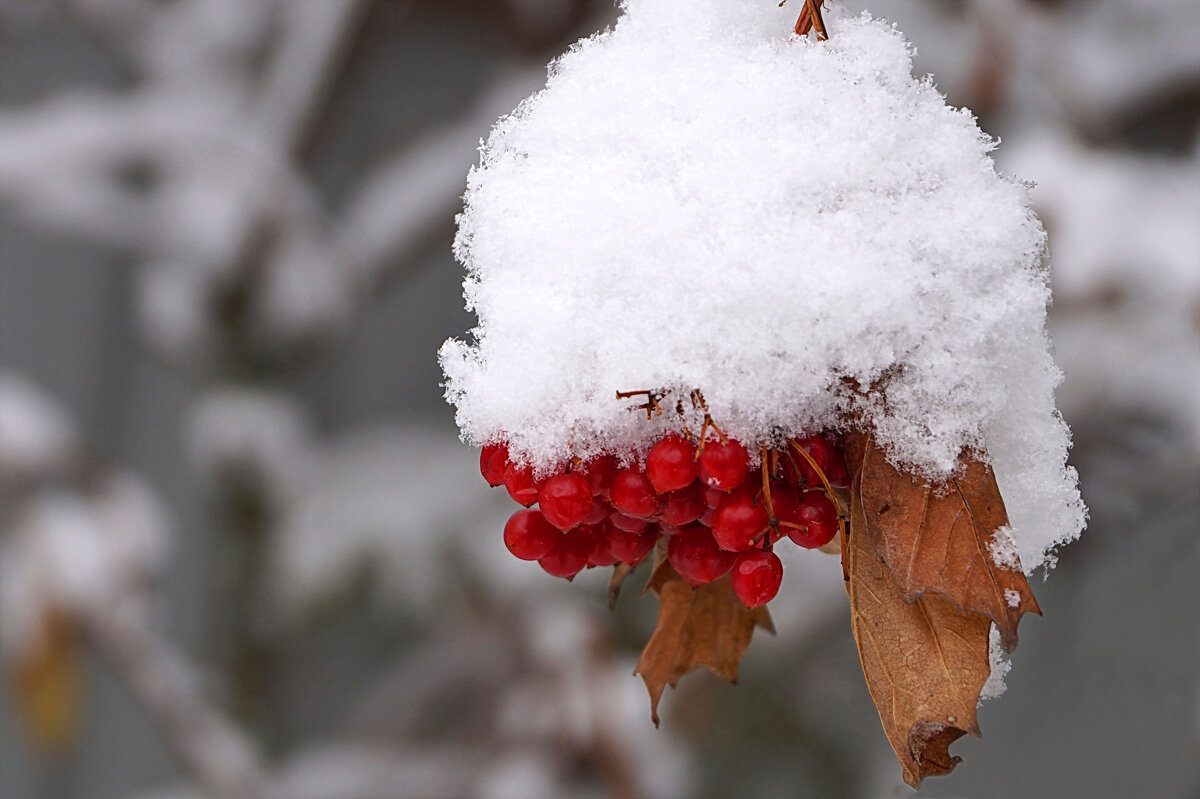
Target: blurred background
243, 555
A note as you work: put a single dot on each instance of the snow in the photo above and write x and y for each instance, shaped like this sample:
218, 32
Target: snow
699, 200
1001, 665
80, 553
36, 433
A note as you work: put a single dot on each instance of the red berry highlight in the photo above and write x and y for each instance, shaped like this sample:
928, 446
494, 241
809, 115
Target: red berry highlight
756, 577
566, 500
529, 536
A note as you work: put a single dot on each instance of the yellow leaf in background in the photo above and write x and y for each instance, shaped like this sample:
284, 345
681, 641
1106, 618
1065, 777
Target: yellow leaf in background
48, 682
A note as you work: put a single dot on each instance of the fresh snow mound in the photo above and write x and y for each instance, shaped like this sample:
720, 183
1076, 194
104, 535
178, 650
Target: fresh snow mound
700, 199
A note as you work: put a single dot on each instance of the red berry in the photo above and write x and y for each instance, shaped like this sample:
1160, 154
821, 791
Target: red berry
570, 553
529, 536
683, 506
723, 465
493, 460
737, 522
520, 484
756, 577
695, 555
566, 500
633, 495
671, 464
599, 473
602, 554
627, 523
826, 457
818, 517
632, 548
599, 512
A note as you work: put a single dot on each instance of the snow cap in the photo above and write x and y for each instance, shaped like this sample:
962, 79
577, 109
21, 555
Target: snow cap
700, 199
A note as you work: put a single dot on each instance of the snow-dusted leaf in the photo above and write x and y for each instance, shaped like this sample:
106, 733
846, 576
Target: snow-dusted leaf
925, 661
949, 539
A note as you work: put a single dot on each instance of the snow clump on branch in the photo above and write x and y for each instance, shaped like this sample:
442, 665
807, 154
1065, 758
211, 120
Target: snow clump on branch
800, 229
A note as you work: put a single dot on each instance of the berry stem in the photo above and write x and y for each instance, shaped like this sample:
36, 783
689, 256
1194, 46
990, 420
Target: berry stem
811, 18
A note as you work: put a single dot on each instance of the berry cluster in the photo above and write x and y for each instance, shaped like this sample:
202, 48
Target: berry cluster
718, 512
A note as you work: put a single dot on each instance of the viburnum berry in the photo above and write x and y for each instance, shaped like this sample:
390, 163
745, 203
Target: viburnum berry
756, 577
565, 500
632, 548
521, 485
628, 524
798, 470
737, 522
570, 553
529, 536
695, 555
602, 554
633, 494
818, 519
683, 506
493, 460
723, 464
671, 464
599, 472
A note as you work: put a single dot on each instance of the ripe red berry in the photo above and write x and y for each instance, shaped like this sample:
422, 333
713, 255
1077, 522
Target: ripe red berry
695, 555
756, 577
520, 484
570, 553
493, 460
599, 512
599, 473
671, 464
819, 519
602, 554
627, 523
566, 500
723, 465
826, 456
737, 522
683, 506
633, 495
632, 548
529, 536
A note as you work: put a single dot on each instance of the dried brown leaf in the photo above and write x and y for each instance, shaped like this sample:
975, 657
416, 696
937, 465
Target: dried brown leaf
943, 538
925, 661
705, 626
48, 683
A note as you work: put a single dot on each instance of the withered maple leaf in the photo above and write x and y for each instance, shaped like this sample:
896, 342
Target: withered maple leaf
924, 660
942, 538
704, 626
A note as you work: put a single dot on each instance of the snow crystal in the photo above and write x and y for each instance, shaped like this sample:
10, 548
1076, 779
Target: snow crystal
1012, 597
995, 686
1003, 549
701, 200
